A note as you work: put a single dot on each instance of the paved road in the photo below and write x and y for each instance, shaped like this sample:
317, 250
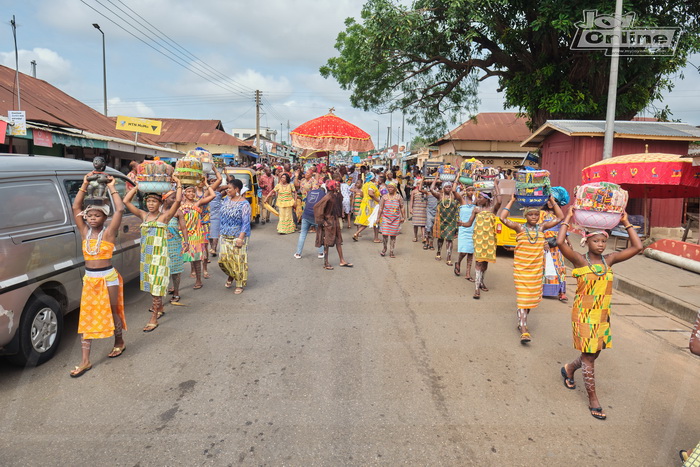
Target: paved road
391, 362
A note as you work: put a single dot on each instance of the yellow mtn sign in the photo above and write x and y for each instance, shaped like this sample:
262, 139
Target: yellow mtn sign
141, 125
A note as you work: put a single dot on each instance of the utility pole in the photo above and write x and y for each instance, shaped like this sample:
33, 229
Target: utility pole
13, 23
403, 127
33, 64
391, 128
612, 83
257, 119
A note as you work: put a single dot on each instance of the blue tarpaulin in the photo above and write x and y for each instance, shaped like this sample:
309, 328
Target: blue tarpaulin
248, 153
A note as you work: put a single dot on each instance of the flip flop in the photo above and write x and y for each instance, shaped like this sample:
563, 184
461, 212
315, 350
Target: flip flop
175, 300
382, 253
328, 268
458, 270
354, 238
600, 415
228, 283
119, 350
449, 263
470, 279
150, 327
569, 383
160, 314
198, 286
346, 265
476, 296
525, 338
684, 455
425, 246
238, 291
80, 371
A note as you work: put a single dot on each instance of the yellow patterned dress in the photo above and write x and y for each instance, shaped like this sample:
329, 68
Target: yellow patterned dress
285, 203
528, 268
590, 315
485, 237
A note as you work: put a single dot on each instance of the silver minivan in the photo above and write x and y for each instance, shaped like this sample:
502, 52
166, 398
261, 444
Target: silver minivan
41, 261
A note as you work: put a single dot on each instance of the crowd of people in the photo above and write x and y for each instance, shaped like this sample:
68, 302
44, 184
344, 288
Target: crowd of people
192, 224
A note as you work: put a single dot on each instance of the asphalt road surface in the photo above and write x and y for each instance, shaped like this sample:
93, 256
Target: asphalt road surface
388, 363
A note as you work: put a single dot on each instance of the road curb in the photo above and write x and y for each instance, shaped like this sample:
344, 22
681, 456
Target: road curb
664, 302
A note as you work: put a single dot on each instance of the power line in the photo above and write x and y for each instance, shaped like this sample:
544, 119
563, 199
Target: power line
174, 59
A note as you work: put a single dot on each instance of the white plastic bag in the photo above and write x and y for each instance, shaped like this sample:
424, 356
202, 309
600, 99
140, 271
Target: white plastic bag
549, 269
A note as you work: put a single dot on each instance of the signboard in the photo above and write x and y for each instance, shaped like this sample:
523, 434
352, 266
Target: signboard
356, 159
140, 125
19, 120
43, 138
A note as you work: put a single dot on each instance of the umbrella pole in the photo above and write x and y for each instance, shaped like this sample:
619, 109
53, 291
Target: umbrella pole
647, 214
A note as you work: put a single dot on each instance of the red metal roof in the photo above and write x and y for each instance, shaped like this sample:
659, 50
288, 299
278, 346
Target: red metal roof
491, 126
202, 132
47, 104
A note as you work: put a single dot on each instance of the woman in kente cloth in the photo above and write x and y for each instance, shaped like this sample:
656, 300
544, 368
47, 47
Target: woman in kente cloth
528, 260
445, 228
177, 243
370, 199
102, 299
465, 234
391, 213
554, 286
483, 221
206, 218
417, 208
155, 261
233, 241
590, 314
191, 209
286, 199
327, 213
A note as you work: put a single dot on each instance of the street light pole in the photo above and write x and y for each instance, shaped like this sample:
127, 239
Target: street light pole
104, 64
377, 145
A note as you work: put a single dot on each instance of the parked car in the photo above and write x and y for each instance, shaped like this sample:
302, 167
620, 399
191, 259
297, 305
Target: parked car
41, 252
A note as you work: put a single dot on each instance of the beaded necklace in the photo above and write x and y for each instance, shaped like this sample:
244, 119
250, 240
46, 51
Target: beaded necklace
590, 265
449, 201
529, 237
96, 251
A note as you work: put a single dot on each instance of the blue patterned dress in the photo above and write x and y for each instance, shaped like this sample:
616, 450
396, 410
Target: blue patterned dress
234, 218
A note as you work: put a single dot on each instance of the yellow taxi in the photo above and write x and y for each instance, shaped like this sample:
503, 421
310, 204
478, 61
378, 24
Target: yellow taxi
250, 180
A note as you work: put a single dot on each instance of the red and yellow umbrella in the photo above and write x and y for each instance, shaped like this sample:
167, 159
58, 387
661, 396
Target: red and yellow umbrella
331, 133
652, 175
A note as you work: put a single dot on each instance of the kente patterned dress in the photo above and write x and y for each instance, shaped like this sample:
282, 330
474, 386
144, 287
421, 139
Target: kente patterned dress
285, 203
590, 315
485, 237
420, 204
194, 232
175, 247
446, 219
368, 203
391, 215
465, 238
155, 263
96, 320
234, 219
554, 285
205, 220
528, 267
357, 201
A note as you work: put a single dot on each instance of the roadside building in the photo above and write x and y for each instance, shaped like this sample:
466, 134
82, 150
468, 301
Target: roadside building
184, 134
59, 125
491, 137
567, 146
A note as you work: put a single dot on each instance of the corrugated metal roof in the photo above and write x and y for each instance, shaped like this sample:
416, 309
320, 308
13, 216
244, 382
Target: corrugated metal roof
490, 126
628, 129
202, 132
45, 103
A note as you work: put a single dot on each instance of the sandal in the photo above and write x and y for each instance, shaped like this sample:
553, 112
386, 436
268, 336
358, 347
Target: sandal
206, 274
458, 269
563, 298
525, 338
238, 291
328, 267
684, 455
425, 246
354, 238
382, 253
229, 283
449, 262
150, 327
477, 295
346, 265
391, 254
175, 299
79, 371
118, 350
160, 314
568, 382
597, 412
484, 288
438, 257
198, 286
469, 278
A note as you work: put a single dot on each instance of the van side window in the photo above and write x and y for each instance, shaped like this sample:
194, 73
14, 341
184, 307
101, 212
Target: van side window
123, 187
30, 204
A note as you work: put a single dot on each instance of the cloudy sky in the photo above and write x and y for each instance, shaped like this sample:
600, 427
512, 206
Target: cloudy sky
226, 49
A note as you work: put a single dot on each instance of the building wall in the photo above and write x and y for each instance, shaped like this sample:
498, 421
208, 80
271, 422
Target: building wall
565, 157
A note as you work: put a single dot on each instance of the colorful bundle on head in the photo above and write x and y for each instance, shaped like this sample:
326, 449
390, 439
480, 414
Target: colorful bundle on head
484, 185
152, 177
447, 173
532, 187
204, 156
189, 170
602, 197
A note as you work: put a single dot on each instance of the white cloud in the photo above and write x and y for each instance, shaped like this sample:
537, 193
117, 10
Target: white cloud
51, 67
116, 106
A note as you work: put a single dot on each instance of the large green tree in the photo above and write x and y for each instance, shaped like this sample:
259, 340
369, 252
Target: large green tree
428, 58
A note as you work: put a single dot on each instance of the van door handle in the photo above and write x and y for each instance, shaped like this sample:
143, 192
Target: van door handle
126, 228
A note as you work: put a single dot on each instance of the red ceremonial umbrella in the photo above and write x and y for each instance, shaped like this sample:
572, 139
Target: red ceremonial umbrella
331, 133
648, 175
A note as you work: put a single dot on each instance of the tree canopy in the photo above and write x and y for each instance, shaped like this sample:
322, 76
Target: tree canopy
429, 58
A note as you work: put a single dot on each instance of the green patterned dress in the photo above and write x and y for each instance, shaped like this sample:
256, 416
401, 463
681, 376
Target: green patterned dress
155, 263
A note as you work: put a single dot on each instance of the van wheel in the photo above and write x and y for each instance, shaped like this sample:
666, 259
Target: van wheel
257, 219
40, 331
